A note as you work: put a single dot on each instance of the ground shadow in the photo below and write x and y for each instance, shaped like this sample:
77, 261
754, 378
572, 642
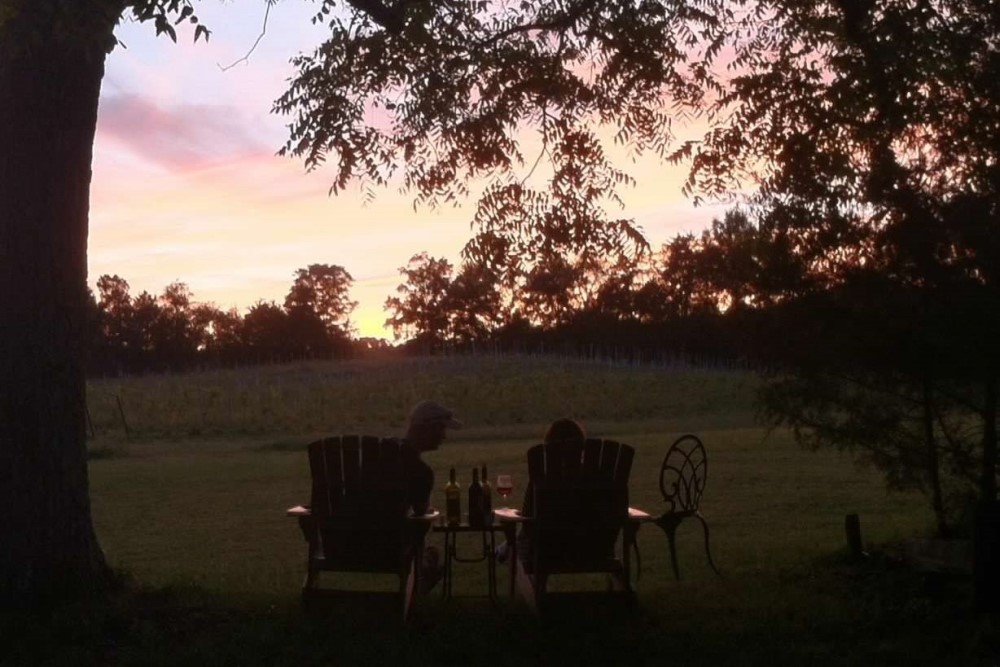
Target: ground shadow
829, 614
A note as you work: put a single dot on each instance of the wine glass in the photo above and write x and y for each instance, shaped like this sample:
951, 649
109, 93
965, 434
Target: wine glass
505, 485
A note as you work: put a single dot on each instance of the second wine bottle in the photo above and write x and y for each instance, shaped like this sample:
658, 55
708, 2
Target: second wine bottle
475, 500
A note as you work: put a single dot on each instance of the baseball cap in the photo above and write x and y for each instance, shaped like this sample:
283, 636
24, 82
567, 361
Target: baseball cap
429, 412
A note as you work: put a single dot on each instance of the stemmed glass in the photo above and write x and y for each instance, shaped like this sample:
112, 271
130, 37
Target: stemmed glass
505, 486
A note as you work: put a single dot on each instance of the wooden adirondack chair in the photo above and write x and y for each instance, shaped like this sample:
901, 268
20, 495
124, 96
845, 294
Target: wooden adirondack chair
578, 512
358, 517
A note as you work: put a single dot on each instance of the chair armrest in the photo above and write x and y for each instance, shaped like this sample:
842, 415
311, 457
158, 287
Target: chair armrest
636, 515
510, 516
429, 517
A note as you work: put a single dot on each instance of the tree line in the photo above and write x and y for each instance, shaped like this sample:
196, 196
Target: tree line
172, 332
677, 301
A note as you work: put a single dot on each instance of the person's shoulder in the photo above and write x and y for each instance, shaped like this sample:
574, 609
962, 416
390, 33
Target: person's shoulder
405, 448
410, 454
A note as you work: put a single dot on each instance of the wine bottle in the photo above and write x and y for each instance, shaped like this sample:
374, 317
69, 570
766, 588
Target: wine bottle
475, 500
487, 497
452, 501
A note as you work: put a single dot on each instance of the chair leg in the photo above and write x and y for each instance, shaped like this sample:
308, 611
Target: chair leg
621, 580
628, 545
525, 584
408, 588
620, 584
311, 582
672, 542
668, 524
708, 552
541, 582
309, 587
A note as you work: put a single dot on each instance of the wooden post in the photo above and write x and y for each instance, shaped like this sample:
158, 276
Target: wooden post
852, 526
90, 422
121, 411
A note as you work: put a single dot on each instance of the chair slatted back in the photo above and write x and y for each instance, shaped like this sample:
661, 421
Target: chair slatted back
359, 499
580, 501
683, 474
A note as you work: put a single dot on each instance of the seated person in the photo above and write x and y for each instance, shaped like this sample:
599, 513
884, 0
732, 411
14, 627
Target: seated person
426, 431
559, 430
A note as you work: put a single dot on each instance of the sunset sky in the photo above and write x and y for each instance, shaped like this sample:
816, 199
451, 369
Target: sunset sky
187, 185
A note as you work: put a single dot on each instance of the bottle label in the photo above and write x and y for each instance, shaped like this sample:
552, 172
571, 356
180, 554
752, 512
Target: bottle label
453, 510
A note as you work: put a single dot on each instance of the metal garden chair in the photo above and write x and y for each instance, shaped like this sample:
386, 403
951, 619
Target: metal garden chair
682, 482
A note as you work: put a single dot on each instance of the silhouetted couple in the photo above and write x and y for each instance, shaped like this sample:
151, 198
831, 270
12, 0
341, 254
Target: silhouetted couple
428, 424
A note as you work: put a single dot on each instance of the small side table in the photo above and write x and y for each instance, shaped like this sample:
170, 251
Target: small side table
488, 555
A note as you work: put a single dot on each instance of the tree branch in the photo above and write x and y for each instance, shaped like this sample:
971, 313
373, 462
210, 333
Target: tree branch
390, 18
560, 23
263, 31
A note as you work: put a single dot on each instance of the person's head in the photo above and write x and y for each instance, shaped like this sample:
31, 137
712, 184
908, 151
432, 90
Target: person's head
564, 429
428, 422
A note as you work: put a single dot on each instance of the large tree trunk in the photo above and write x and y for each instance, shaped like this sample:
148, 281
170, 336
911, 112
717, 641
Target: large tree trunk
49, 88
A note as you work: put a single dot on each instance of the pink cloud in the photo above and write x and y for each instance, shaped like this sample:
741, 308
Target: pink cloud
178, 136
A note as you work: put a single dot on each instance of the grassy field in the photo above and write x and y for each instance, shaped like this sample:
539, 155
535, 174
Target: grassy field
191, 506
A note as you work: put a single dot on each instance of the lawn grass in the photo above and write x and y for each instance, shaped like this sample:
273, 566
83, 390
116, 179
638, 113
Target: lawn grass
191, 507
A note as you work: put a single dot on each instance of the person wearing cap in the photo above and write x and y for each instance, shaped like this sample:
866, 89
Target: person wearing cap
428, 424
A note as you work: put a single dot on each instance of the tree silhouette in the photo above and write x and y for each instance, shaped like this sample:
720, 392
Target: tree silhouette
222, 332
475, 304
145, 313
266, 331
225, 344
682, 279
323, 290
420, 311
547, 296
174, 332
616, 297
115, 317
174, 339
872, 130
